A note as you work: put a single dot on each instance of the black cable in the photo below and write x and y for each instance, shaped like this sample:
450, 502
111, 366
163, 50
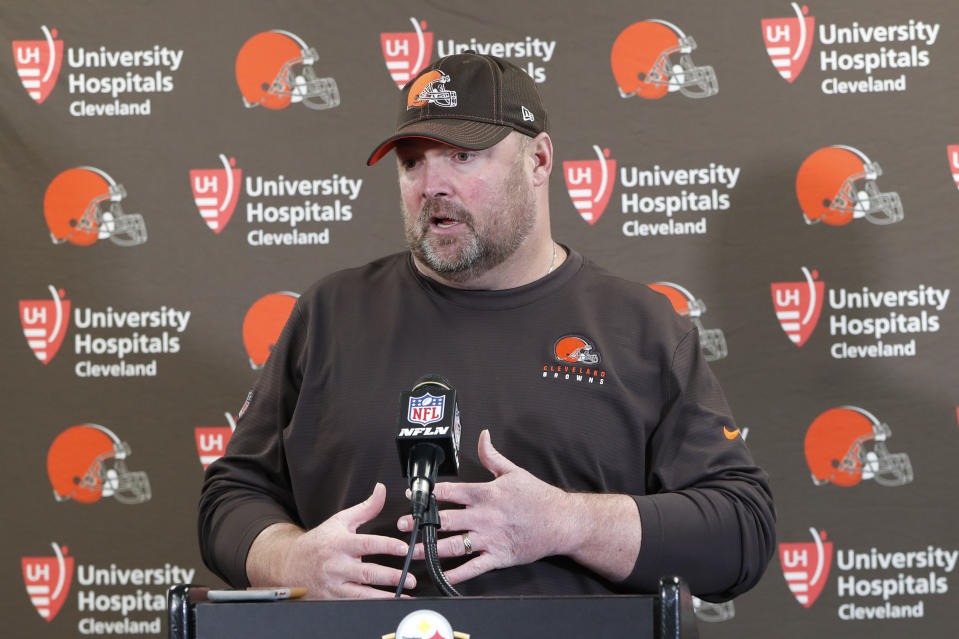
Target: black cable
433, 563
409, 556
431, 522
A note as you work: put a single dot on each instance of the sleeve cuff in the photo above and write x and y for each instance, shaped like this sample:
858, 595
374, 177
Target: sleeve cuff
247, 521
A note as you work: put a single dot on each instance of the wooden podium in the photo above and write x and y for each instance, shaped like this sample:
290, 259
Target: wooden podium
668, 615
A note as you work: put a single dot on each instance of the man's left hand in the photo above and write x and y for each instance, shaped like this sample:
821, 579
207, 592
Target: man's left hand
513, 519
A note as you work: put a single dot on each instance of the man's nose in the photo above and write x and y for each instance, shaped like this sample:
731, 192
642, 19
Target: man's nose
435, 178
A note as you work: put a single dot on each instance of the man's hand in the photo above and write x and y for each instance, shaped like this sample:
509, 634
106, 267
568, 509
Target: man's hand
328, 559
517, 519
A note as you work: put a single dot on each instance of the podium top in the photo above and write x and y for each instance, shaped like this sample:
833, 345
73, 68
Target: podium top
668, 615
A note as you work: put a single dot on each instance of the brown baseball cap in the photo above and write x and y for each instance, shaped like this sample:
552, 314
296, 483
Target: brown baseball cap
469, 101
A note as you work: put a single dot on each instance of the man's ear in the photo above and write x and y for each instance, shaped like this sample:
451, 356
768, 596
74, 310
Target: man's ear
542, 150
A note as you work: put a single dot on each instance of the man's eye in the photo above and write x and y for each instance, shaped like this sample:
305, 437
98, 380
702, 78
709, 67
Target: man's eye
409, 163
463, 156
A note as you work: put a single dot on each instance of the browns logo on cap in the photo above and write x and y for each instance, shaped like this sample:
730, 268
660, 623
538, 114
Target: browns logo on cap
469, 101
429, 87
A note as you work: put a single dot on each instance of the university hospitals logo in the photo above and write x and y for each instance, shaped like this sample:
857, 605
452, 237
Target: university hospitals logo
952, 151
798, 304
837, 184
426, 409
110, 599
215, 192
788, 41
871, 583
38, 63
118, 340
263, 323
407, 53
44, 323
867, 322
274, 69
211, 441
101, 81
653, 58
590, 184
47, 580
806, 566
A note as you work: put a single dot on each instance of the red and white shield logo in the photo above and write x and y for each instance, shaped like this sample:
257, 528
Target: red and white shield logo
953, 152
798, 304
788, 41
211, 441
407, 53
806, 566
38, 63
590, 183
47, 580
426, 409
45, 323
215, 192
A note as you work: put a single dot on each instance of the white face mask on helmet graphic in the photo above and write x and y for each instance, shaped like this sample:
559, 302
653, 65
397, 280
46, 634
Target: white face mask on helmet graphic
711, 340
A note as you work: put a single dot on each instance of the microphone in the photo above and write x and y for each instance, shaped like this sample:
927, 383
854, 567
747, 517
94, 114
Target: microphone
428, 436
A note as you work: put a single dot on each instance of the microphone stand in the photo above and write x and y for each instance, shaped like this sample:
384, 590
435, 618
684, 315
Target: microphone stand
431, 521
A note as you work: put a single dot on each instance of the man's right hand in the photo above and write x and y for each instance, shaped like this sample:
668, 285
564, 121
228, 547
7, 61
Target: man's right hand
328, 560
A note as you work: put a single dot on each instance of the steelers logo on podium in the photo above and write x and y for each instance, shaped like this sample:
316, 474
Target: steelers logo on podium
425, 624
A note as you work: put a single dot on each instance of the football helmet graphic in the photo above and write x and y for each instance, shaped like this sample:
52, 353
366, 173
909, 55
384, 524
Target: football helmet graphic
275, 69
75, 207
711, 340
846, 445
575, 349
652, 58
87, 462
837, 184
713, 612
430, 88
263, 324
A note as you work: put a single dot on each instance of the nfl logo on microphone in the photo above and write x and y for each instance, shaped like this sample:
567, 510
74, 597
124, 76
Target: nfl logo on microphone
426, 409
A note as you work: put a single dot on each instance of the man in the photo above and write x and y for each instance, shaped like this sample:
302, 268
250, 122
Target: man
616, 460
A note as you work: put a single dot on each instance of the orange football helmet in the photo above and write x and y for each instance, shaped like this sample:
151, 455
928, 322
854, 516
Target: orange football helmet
837, 184
644, 63
275, 69
263, 324
87, 462
711, 340
73, 207
846, 445
575, 349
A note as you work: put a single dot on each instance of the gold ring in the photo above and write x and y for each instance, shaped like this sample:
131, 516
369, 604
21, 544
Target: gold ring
467, 544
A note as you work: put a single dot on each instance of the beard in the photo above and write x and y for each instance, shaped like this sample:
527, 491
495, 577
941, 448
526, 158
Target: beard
505, 225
